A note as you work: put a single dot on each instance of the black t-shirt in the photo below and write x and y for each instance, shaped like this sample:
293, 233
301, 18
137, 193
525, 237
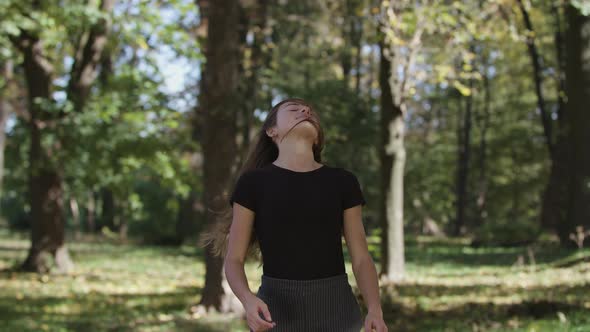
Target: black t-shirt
299, 217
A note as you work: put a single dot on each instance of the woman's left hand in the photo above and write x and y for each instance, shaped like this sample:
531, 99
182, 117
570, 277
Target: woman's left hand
374, 322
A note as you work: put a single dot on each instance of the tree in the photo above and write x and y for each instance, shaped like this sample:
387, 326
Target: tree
45, 177
393, 263
217, 113
9, 91
578, 117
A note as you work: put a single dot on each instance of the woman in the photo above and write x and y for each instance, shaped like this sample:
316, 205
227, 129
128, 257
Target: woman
296, 209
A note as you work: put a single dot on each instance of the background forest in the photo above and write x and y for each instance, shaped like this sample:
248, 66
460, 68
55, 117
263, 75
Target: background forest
124, 125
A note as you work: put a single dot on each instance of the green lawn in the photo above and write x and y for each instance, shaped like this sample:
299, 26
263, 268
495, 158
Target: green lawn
449, 287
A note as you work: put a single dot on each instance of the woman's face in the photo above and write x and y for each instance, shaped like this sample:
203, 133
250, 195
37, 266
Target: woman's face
297, 120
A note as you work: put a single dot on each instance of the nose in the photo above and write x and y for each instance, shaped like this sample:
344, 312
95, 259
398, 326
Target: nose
306, 111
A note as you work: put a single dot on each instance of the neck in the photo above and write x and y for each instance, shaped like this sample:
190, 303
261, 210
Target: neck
296, 155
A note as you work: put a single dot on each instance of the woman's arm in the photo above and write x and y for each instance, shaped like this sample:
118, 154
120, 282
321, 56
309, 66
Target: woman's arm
239, 237
362, 263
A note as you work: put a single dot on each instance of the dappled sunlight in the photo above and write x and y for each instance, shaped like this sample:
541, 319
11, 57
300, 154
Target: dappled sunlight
464, 296
147, 287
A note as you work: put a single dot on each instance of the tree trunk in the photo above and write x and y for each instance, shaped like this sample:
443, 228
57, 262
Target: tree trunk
578, 117
395, 216
554, 196
484, 123
393, 157
463, 156
386, 160
45, 177
554, 199
5, 110
107, 217
87, 58
75, 211
255, 21
357, 41
45, 180
218, 105
91, 212
537, 78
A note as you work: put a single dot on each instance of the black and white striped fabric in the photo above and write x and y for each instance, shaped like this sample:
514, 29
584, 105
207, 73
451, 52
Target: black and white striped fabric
313, 305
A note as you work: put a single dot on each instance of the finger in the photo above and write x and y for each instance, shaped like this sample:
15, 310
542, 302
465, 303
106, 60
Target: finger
368, 326
265, 316
266, 313
260, 327
266, 325
262, 323
255, 326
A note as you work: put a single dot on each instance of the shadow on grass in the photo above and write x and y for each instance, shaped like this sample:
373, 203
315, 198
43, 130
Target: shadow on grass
434, 290
104, 312
465, 315
474, 257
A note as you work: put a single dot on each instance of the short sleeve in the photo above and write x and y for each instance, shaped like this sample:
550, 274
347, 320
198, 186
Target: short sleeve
244, 191
352, 194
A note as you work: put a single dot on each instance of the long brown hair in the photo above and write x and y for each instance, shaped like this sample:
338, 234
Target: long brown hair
263, 152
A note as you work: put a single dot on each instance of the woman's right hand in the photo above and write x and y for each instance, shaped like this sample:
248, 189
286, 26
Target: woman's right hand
256, 322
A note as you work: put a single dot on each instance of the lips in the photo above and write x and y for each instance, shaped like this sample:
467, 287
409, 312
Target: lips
308, 118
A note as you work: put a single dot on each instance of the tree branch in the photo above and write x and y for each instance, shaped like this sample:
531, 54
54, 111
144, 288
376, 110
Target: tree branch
84, 70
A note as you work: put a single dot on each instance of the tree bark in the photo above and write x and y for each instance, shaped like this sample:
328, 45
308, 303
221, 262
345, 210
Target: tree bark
463, 159
578, 118
108, 211
537, 78
484, 123
386, 160
91, 212
393, 159
5, 109
255, 22
554, 196
45, 180
218, 109
87, 58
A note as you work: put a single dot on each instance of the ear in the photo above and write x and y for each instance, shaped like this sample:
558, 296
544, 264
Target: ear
270, 132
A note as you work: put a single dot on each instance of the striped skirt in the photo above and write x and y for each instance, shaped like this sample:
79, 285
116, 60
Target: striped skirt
325, 304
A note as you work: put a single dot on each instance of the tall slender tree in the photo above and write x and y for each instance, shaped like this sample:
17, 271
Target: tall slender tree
217, 114
7, 103
399, 84
578, 117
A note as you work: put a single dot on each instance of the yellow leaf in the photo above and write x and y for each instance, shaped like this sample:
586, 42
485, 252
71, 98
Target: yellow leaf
141, 42
464, 90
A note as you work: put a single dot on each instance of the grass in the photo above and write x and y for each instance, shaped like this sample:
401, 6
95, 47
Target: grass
448, 287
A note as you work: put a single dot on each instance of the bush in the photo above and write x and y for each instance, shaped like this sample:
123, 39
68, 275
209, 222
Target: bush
506, 234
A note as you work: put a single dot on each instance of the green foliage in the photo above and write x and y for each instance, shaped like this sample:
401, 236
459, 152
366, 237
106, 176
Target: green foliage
132, 139
507, 233
156, 211
128, 128
311, 42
